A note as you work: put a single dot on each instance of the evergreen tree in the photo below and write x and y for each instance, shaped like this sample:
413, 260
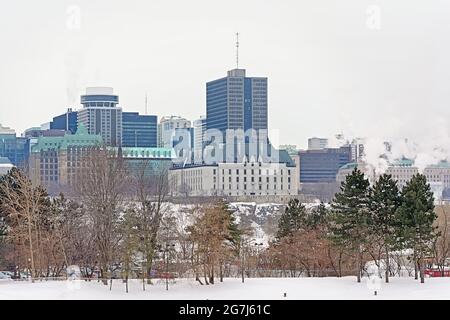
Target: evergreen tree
349, 227
293, 219
384, 202
234, 233
416, 215
318, 217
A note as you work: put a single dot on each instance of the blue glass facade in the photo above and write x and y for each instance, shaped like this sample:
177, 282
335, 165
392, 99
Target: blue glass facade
16, 149
217, 104
139, 130
237, 102
248, 107
317, 166
67, 121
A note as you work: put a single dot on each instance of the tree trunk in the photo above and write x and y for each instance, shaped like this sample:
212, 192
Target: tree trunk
422, 271
358, 266
416, 270
387, 265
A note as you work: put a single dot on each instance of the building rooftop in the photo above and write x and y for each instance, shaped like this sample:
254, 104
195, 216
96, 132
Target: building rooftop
5, 161
349, 166
80, 138
444, 164
145, 153
403, 162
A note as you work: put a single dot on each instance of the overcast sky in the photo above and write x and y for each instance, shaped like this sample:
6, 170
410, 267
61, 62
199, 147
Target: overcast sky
333, 66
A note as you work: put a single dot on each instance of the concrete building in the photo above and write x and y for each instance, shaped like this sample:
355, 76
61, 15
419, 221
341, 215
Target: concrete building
168, 128
402, 171
317, 143
235, 179
199, 139
101, 115
58, 161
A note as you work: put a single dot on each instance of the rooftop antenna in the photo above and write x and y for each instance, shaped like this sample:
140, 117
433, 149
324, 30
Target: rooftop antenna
146, 104
237, 50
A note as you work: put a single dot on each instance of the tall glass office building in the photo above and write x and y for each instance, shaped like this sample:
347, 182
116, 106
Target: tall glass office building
322, 166
237, 102
139, 131
67, 122
16, 149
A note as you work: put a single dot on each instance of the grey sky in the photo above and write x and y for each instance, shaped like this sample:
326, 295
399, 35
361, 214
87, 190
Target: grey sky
328, 71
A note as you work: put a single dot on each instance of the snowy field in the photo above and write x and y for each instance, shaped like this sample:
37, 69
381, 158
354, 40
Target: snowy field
233, 289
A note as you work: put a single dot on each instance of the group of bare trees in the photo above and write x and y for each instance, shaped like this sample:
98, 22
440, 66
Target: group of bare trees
112, 222
118, 225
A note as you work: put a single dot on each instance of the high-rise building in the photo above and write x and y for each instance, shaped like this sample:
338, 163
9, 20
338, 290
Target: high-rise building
101, 115
15, 148
168, 128
317, 143
237, 102
322, 166
199, 141
67, 121
139, 130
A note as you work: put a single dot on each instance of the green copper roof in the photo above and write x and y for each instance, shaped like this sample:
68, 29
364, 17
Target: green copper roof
132, 152
80, 139
442, 164
403, 162
351, 165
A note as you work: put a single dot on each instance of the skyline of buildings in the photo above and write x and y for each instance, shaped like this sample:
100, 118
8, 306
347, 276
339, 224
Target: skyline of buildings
235, 102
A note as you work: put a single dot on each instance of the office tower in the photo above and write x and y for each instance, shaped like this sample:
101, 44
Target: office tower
237, 102
67, 121
101, 115
317, 143
16, 149
139, 130
322, 166
169, 128
199, 141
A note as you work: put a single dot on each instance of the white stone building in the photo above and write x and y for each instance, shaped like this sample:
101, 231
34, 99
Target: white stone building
167, 130
234, 179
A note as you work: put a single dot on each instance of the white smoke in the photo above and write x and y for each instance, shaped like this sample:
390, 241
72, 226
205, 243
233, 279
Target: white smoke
426, 142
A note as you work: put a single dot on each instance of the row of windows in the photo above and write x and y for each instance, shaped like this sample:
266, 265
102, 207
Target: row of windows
260, 179
245, 187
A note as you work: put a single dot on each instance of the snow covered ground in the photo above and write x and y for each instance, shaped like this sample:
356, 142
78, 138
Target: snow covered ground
233, 289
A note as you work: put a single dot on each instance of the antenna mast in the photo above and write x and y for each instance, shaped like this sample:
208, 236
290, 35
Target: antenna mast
146, 103
237, 50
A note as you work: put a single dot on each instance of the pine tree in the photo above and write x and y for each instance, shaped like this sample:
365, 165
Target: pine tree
318, 217
416, 215
384, 202
293, 219
129, 243
350, 215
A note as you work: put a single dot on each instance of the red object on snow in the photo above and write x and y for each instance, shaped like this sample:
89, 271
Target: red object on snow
436, 273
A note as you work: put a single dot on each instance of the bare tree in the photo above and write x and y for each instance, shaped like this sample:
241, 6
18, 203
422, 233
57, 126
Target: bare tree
102, 190
441, 245
151, 186
22, 203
